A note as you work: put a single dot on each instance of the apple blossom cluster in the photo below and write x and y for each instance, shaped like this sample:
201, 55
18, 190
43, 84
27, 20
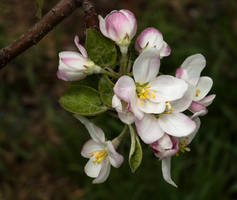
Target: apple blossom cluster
164, 109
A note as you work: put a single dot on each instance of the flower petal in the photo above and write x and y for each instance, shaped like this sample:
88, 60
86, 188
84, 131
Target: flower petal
203, 87
116, 103
166, 164
102, 26
176, 124
104, 172
80, 47
146, 66
183, 104
92, 169
126, 117
70, 76
134, 107
125, 88
206, 101
149, 107
89, 147
198, 109
193, 66
114, 157
96, 133
165, 51
168, 88
149, 129
192, 135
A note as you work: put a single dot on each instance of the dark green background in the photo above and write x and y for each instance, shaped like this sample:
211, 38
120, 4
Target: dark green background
40, 142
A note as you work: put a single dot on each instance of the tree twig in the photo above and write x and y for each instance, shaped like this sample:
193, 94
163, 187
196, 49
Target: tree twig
63, 9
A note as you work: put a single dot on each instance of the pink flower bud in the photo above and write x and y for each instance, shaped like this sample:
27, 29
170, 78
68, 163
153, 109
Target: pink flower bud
152, 38
75, 66
165, 147
119, 26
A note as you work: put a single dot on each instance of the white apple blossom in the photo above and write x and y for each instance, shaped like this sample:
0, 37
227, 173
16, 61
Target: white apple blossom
152, 38
74, 66
148, 93
199, 87
167, 146
101, 153
119, 26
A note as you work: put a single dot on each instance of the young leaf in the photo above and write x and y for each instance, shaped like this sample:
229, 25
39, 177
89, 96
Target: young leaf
82, 100
106, 90
135, 154
100, 50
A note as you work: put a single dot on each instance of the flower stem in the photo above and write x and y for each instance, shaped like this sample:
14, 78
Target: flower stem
123, 63
116, 141
111, 74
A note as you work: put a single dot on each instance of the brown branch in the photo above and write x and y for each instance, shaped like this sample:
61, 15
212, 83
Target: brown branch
63, 9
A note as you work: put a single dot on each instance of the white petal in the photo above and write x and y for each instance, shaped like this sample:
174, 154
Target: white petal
104, 172
126, 117
96, 133
206, 101
92, 170
193, 66
135, 108
176, 124
165, 143
192, 135
114, 157
183, 104
149, 129
149, 107
125, 88
146, 66
91, 146
165, 51
116, 103
166, 164
204, 86
168, 88
102, 26
66, 75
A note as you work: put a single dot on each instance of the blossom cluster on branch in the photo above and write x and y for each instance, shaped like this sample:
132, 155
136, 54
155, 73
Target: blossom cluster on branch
165, 109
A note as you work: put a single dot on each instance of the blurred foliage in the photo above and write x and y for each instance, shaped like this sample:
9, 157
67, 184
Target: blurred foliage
40, 142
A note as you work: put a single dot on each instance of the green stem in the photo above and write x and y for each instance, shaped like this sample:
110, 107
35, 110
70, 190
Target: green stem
111, 74
116, 141
123, 64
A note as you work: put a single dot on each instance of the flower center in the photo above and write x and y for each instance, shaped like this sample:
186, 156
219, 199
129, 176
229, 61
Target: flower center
197, 92
145, 92
168, 108
99, 156
183, 146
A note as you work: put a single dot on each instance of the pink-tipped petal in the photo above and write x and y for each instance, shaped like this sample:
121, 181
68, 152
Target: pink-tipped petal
179, 72
148, 129
176, 124
80, 47
166, 165
146, 66
133, 22
125, 88
165, 50
198, 109
102, 26
114, 157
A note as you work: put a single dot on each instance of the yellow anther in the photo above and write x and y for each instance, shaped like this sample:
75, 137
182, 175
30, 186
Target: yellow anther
197, 92
183, 146
153, 95
99, 156
141, 102
144, 92
168, 107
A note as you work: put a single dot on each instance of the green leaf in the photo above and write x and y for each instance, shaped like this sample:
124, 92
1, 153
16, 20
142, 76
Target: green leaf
135, 154
82, 100
106, 90
100, 50
39, 8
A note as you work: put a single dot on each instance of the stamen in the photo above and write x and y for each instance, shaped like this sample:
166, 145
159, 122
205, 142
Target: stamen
183, 146
144, 92
99, 156
168, 107
197, 92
